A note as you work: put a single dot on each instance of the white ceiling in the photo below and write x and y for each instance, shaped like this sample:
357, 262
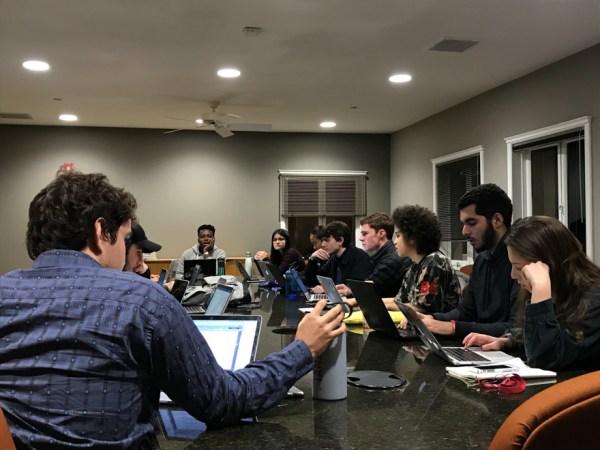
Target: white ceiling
130, 63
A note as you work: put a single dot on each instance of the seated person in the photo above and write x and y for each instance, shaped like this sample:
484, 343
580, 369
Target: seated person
283, 255
316, 238
342, 261
489, 305
430, 285
560, 291
205, 249
95, 354
387, 268
135, 247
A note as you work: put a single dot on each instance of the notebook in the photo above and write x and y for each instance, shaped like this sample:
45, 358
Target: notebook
233, 341
457, 356
375, 312
208, 267
272, 273
309, 297
247, 277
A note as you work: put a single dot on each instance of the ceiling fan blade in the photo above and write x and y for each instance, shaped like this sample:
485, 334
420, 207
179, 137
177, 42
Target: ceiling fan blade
172, 131
222, 131
250, 127
178, 118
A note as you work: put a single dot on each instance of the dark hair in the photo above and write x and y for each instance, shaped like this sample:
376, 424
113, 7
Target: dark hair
318, 231
276, 256
380, 221
338, 230
206, 227
64, 213
420, 225
572, 274
488, 199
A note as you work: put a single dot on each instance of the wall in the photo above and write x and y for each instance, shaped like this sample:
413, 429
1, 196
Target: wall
181, 180
565, 90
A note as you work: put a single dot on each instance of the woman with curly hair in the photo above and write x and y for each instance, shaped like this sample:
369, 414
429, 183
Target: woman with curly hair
560, 290
430, 285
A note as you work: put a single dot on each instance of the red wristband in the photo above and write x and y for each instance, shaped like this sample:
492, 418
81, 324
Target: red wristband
453, 322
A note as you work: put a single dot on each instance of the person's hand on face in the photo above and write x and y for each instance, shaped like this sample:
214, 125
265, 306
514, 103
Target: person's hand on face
320, 253
536, 276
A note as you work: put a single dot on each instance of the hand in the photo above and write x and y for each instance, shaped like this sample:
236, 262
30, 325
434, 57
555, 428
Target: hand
320, 254
390, 304
537, 281
486, 342
343, 290
153, 277
317, 330
168, 286
207, 248
141, 268
261, 255
436, 326
318, 290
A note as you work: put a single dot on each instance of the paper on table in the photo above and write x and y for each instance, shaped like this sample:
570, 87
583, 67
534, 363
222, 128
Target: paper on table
468, 373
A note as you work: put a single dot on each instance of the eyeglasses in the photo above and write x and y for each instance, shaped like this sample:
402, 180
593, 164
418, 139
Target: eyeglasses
278, 239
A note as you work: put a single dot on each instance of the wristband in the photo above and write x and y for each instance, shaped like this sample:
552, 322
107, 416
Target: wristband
453, 322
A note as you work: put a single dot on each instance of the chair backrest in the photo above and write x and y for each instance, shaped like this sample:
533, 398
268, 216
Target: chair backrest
563, 416
6, 440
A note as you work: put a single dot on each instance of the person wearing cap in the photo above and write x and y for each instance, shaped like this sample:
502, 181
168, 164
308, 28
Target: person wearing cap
136, 246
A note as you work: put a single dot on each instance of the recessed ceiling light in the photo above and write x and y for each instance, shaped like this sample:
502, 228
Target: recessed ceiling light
229, 73
199, 121
328, 124
68, 117
400, 78
36, 66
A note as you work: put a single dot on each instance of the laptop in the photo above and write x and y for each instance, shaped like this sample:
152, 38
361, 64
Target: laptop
334, 295
179, 288
309, 297
207, 268
247, 277
172, 270
272, 274
233, 341
375, 312
457, 356
216, 304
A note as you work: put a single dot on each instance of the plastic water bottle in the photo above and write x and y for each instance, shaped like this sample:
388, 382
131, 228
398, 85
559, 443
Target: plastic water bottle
248, 263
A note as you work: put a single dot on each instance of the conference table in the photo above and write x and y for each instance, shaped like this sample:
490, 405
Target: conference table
431, 411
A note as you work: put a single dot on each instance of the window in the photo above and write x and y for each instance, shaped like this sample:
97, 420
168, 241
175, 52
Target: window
310, 198
551, 170
453, 175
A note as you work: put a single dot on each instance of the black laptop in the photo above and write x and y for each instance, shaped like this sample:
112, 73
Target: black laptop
199, 267
375, 312
247, 277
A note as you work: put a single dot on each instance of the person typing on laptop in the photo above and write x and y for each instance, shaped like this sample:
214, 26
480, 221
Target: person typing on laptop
560, 287
345, 260
87, 348
490, 302
205, 249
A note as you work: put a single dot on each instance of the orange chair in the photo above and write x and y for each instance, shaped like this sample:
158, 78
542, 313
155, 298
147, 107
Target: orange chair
6, 440
560, 417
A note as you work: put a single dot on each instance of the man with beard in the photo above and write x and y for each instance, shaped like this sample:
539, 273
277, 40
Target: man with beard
490, 302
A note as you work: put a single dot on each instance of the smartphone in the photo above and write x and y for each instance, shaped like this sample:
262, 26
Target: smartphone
161, 277
495, 368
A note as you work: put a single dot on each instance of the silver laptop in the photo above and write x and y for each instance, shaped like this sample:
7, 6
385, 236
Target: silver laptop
457, 356
334, 295
233, 341
309, 297
216, 303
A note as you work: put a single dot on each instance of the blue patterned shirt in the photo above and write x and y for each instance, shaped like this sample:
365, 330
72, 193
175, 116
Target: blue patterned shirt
84, 351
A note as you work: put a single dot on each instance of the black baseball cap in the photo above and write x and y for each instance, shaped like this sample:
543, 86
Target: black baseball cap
138, 237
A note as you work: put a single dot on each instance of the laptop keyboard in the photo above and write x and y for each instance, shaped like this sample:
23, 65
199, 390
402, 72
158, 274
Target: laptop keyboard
464, 354
197, 309
317, 297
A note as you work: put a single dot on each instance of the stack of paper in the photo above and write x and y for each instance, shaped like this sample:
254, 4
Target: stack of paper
471, 374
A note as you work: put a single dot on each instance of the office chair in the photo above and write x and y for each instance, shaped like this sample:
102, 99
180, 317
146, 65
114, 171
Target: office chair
562, 416
6, 440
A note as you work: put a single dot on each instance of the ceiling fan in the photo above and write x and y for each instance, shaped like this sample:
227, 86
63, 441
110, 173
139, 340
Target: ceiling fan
223, 124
